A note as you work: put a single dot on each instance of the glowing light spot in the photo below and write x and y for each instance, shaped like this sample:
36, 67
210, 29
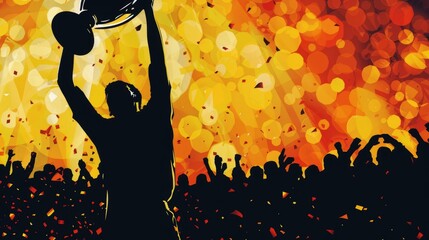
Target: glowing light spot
325, 94
289, 99
276, 23
8, 119
406, 37
19, 54
40, 48
252, 56
52, 119
55, 101
206, 45
294, 61
394, 121
34, 78
203, 141
310, 82
399, 96
370, 74
16, 68
266, 80
360, 126
4, 50
409, 109
226, 41
324, 124
17, 32
415, 60
209, 116
4, 27
190, 127
271, 129
280, 60
337, 85
313, 135
287, 38
191, 31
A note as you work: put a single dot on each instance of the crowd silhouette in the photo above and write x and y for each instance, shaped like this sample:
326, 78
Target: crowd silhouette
381, 197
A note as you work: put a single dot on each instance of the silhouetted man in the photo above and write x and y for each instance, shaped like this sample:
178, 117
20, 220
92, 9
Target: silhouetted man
135, 146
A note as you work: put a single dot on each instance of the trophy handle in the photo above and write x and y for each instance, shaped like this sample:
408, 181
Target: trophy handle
74, 31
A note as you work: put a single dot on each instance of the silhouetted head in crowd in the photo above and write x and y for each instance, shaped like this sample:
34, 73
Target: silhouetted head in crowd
122, 98
49, 171
238, 174
330, 162
183, 180
256, 173
67, 175
311, 171
270, 169
384, 155
295, 170
201, 179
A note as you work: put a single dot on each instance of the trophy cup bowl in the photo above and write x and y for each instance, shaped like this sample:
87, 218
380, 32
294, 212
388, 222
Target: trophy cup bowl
74, 31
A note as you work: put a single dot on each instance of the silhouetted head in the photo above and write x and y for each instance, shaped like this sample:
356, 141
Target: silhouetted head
183, 180
311, 172
330, 161
67, 174
295, 170
123, 98
201, 179
270, 168
256, 173
238, 174
384, 155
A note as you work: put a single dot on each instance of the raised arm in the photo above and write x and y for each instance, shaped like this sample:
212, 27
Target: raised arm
209, 170
65, 74
10, 155
30, 165
159, 84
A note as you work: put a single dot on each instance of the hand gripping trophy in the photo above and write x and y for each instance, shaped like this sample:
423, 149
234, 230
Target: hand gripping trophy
135, 144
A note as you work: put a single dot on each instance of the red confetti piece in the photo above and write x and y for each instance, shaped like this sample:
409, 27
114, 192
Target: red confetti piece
237, 213
273, 232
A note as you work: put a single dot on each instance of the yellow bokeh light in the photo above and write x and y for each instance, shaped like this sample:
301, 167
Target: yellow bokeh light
415, 60
310, 82
190, 127
40, 48
294, 61
409, 109
287, 38
360, 127
271, 129
226, 41
191, 31
370, 74
55, 101
4, 27
394, 121
406, 36
337, 85
313, 135
203, 141
325, 94
17, 32
206, 45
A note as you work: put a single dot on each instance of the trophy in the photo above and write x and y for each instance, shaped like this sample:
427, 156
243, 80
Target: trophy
74, 30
